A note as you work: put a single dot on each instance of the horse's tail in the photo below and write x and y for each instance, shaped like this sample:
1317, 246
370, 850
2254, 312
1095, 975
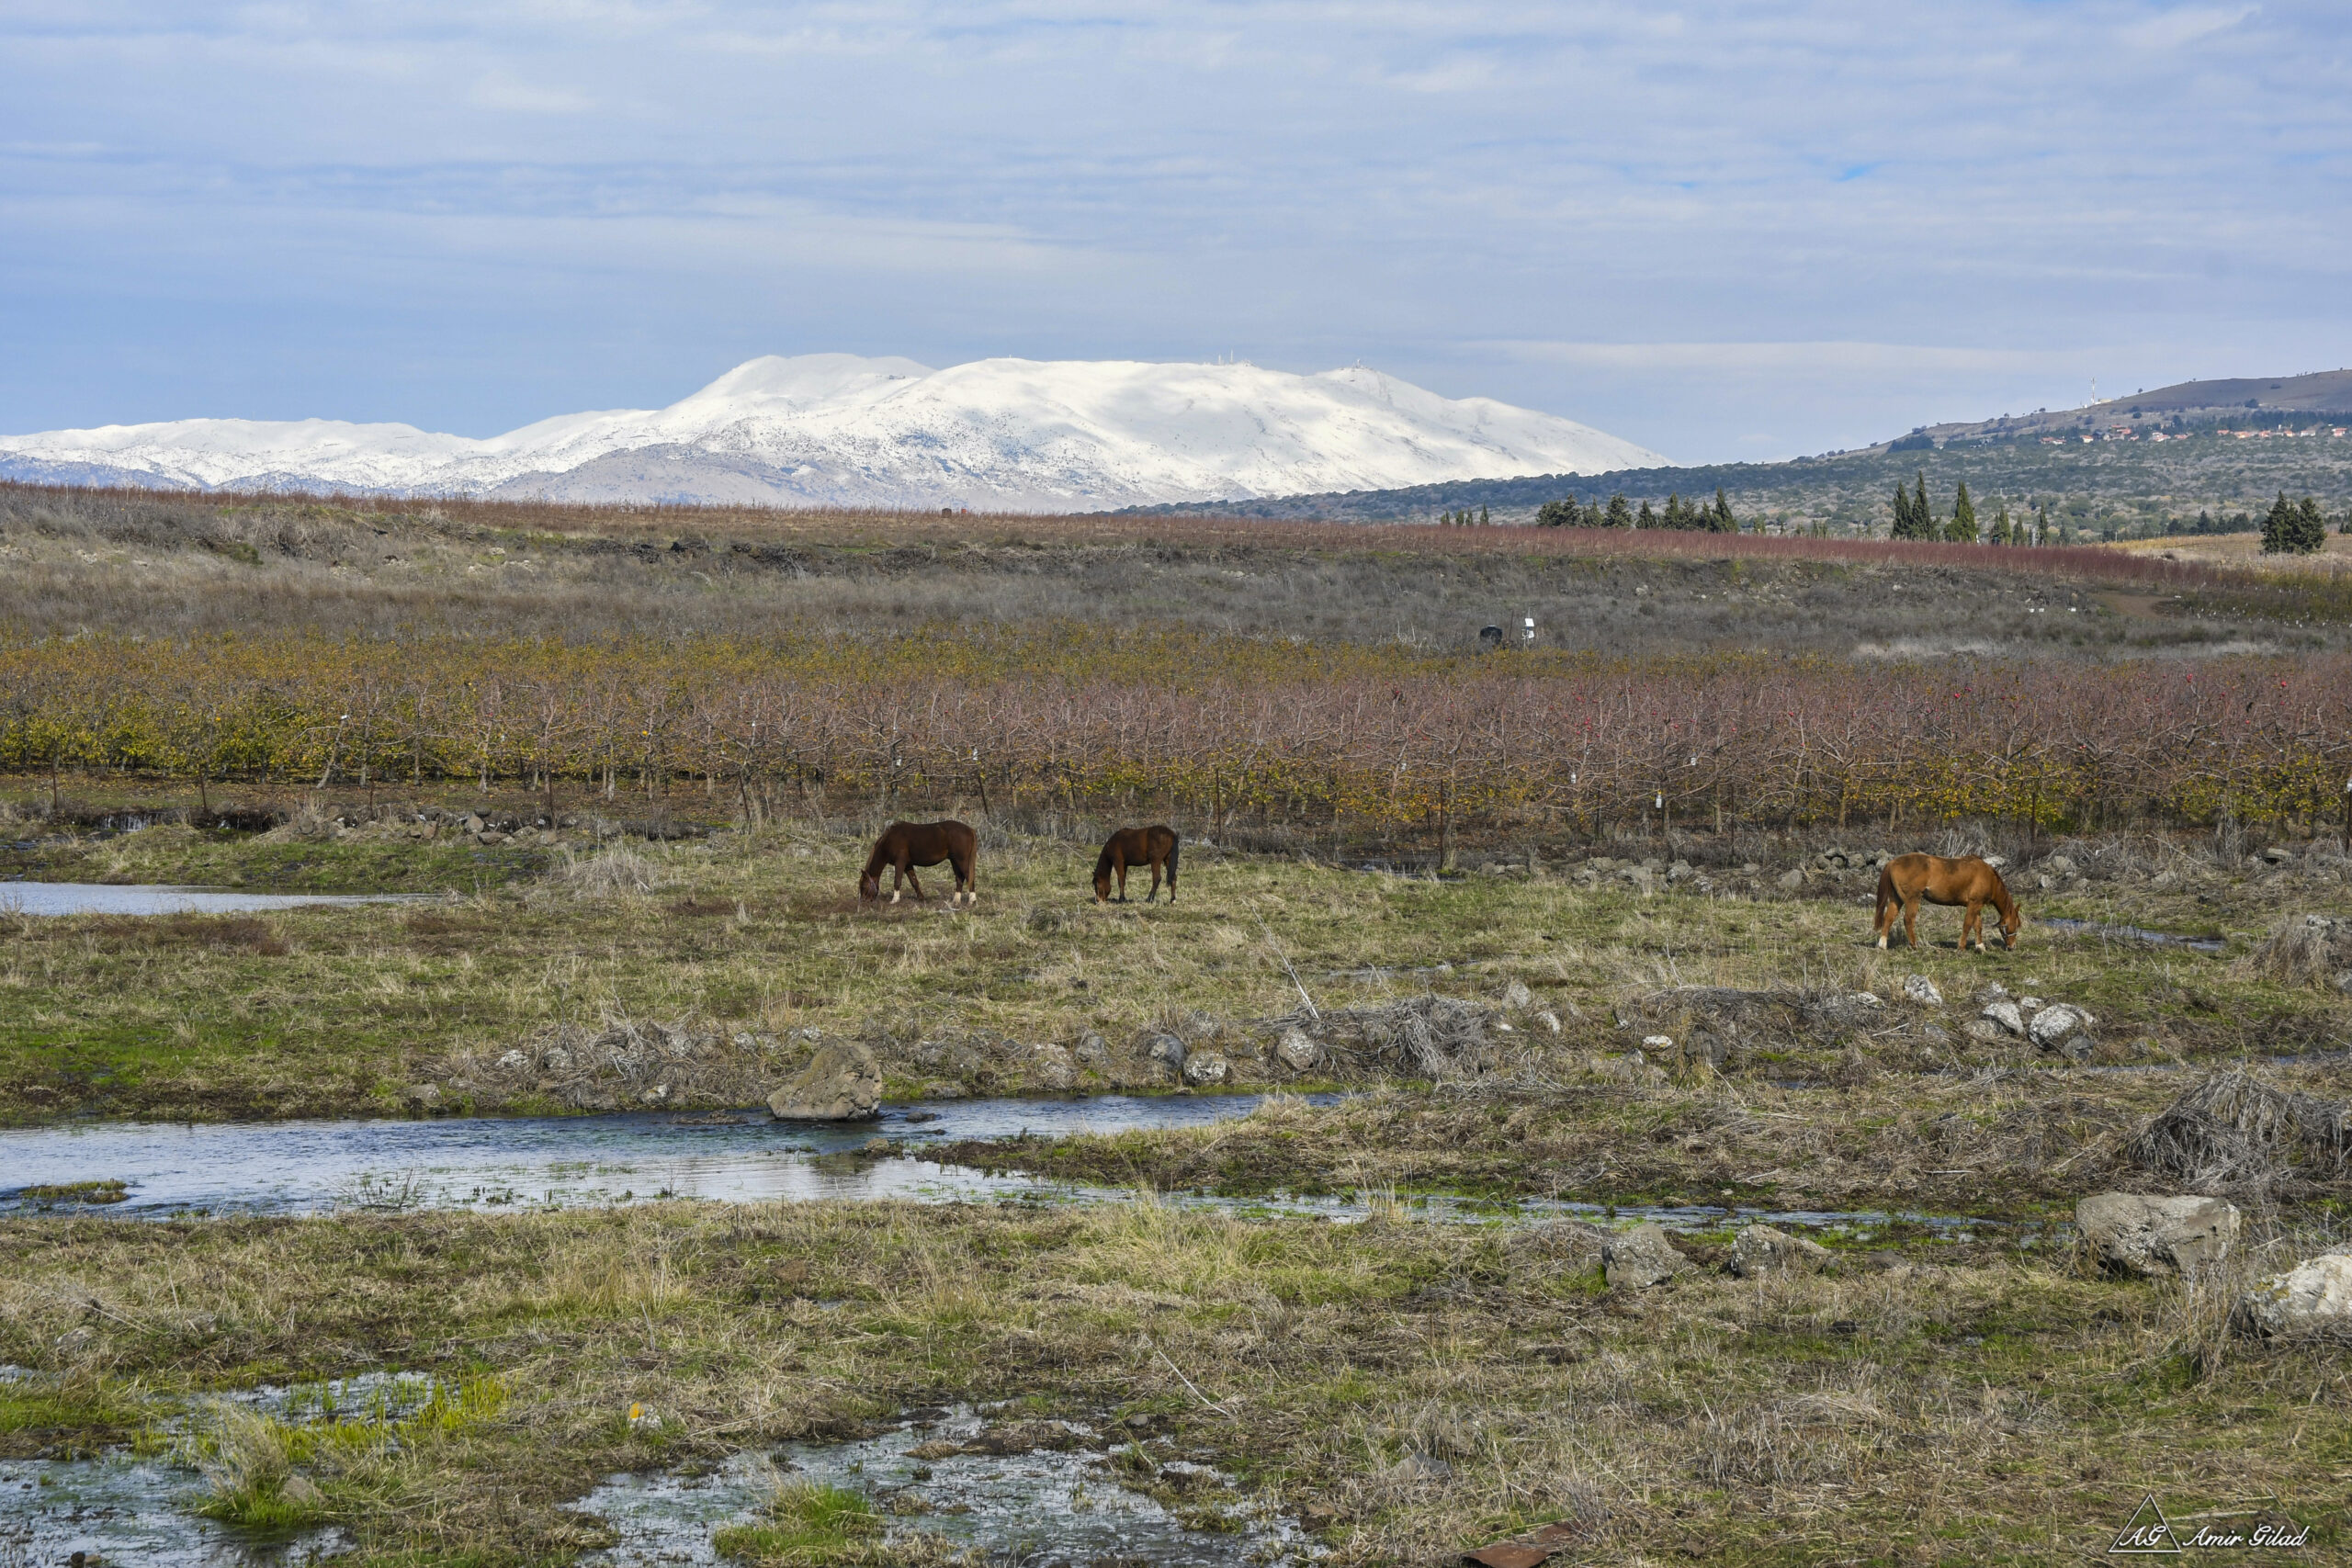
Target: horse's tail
1174, 844
1887, 892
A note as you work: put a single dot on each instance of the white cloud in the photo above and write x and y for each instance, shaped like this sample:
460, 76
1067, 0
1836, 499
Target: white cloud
502, 90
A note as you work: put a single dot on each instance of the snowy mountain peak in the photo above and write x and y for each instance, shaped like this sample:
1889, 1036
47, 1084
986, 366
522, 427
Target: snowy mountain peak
836, 429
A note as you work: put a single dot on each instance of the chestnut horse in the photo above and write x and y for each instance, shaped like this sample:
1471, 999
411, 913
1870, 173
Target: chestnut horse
1154, 846
906, 845
1908, 879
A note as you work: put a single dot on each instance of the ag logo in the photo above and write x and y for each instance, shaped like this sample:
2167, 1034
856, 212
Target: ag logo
2148, 1531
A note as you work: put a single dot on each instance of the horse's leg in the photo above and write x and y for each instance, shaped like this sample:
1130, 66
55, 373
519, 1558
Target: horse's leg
1885, 919
1153, 896
901, 873
915, 882
1122, 863
1911, 920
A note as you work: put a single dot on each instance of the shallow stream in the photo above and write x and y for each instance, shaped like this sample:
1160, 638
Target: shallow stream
110, 898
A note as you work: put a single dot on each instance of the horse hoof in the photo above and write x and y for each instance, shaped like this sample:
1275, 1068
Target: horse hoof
893, 898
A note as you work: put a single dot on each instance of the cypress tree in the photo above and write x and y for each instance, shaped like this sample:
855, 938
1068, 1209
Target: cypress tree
1901, 527
1721, 521
1962, 529
1645, 518
1482, 516
2000, 530
1619, 514
2278, 529
2311, 527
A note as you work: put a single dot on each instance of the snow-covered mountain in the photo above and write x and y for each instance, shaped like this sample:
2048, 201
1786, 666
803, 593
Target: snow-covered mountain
996, 435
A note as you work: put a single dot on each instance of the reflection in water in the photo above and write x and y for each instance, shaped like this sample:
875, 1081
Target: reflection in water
323, 1166
101, 899
2134, 933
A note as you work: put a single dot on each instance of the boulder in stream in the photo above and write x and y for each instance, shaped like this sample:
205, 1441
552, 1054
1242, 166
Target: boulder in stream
841, 1083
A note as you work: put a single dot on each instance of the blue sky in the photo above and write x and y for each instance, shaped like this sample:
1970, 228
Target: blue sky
1722, 230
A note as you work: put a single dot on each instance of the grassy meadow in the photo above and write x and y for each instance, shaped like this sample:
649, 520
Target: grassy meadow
1959, 1384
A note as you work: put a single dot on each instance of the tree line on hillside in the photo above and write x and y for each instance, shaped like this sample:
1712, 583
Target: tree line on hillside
1704, 517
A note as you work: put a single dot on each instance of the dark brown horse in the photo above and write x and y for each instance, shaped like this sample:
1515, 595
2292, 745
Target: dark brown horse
906, 845
1967, 880
1154, 846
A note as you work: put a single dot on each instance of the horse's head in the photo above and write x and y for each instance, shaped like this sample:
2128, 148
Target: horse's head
869, 885
1102, 886
2011, 923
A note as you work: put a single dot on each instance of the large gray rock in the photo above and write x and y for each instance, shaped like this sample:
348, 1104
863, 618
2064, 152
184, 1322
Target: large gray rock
1206, 1067
2157, 1236
841, 1083
1054, 1067
1760, 1249
1920, 989
1640, 1258
1297, 1050
2057, 1024
2314, 1294
2005, 1013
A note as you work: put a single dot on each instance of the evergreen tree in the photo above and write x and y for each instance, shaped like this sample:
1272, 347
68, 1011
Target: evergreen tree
2000, 531
1913, 517
1720, 520
2278, 529
1482, 516
1962, 529
1619, 514
2311, 527
1559, 515
1645, 518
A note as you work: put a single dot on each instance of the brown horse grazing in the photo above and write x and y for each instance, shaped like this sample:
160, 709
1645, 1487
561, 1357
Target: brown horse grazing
906, 845
1908, 879
1154, 846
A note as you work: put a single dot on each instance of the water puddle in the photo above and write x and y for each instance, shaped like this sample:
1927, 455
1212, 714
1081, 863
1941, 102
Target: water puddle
1083, 1499
140, 1508
2134, 933
108, 898
122, 1509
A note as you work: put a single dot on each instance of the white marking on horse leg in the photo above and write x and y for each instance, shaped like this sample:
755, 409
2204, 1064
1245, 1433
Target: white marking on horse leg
894, 895
1882, 941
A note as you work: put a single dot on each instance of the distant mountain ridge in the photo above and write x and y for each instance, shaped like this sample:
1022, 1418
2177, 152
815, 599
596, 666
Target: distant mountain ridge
835, 429
2193, 402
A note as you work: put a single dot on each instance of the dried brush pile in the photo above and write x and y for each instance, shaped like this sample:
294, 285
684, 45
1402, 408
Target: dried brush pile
2305, 950
2233, 1128
1438, 1038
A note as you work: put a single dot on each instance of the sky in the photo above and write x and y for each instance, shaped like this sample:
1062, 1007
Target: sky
1725, 231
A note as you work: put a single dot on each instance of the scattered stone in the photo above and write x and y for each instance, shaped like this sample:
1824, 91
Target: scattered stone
2278, 854
1166, 1048
1203, 1068
423, 1096
1551, 1021
2158, 1238
1516, 996
514, 1062
1418, 1469
841, 1083
2053, 1025
1984, 1029
1790, 881
1092, 1050
301, 1491
2006, 1014
1920, 989
2314, 1294
2060, 866
1056, 1068
556, 1060
658, 1094
1991, 992
1640, 1258
1761, 1249
876, 1146
1297, 1050
1658, 1042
